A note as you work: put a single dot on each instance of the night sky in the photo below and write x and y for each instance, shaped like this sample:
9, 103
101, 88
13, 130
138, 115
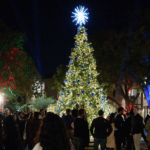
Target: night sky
49, 28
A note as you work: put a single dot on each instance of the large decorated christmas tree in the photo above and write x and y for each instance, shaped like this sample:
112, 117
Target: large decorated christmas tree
81, 85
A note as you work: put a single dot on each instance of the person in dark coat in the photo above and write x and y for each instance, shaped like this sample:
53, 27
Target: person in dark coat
75, 111
102, 130
33, 128
127, 127
80, 131
23, 131
119, 123
69, 119
137, 128
11, 134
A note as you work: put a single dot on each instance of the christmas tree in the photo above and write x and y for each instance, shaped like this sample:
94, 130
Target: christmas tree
81, 85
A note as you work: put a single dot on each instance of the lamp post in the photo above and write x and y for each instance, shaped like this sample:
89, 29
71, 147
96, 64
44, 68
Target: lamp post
1, 102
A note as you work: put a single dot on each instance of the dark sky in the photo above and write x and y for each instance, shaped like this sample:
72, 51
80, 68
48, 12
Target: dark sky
49, 28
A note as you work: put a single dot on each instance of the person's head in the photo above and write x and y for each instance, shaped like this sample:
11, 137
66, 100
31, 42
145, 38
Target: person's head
77, 106
108, 118
53, 133
26, 117
68, 111
120, 110
19, 114
82, 106
112, 117
136, 110
7, 112
81, 113
100, 113
42, 112
36, 115
15, 117
131, 113
127, 115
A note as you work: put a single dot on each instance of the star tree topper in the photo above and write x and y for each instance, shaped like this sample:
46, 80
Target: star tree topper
80, 15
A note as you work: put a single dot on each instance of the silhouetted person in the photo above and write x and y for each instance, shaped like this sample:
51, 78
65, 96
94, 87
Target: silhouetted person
80, 131
11, 136
75, 111
69, 119
33, 128
137, 128
102, 131
119, 128
127, 127
53, 135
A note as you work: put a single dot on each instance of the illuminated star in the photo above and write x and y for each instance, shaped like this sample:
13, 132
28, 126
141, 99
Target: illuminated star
80, 15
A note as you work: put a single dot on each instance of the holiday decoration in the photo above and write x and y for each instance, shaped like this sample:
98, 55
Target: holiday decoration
84, 87
82, 92
92, 94
90, 104
76, 59
74, 82
80, 15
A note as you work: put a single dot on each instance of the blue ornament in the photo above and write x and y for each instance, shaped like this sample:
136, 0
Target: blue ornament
88, 45
89, 75
66, 80
76, 48
71, 72
88, 83
87, 68
68, 91
80, 15
83, 54
63, 89
82, 92
102, 100
67, 72
74, 82
76, 59
92, 94
85, 100
102, 97
58, 109
62, 94
90, 104
71, 102
70, 61
82, 66
61, 102
92, 77
79, 81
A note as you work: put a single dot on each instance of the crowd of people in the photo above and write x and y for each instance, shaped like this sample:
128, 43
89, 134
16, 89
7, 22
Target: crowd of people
47, 131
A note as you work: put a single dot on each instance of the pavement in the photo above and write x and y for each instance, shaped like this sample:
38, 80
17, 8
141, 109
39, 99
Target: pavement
143, 146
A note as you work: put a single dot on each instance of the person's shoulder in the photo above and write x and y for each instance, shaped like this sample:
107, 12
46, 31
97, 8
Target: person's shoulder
37, 147
72, 117
139, 116
106, 121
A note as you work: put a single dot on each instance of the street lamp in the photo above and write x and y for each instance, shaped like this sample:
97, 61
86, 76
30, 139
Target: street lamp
1, 98
1, 102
